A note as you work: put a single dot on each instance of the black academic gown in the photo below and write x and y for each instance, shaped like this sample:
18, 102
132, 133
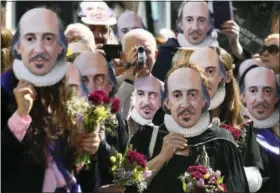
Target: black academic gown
271, 171
223, 155
20, 172
250, 150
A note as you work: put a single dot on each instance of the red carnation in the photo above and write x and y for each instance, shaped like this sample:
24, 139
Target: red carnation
96, 98
135, 157
115, 105
197, 172
235, 132
106, 99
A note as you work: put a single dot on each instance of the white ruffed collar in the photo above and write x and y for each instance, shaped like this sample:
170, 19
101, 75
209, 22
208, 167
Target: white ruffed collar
218, 99
209, 41
139, 119
201, 126
269, 122
49, 79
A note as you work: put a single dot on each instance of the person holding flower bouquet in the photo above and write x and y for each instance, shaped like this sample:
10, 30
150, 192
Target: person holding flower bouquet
97, 74
224, 93
187, 136
37, 138
148, 91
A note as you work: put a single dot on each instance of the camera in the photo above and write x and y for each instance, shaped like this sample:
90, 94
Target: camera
141, 58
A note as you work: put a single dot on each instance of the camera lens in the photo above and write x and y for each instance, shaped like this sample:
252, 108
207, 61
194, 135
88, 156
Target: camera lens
141, 49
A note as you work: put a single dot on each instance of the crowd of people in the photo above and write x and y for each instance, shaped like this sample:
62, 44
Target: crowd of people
181, 96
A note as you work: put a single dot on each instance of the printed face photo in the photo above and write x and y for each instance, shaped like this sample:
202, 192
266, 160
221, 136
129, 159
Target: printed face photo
148, 96
195, 22
128, 21
93, 71
185, 99
260, 95
94, 10
39, 45
207, 59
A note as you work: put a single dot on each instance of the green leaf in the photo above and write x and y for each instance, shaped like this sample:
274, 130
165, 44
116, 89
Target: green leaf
184, 186
220, 180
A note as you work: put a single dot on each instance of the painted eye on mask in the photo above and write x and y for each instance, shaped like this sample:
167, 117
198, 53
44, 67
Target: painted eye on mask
177, 95
49, 39
99, 79
253, 91
210, 72
193, 95
140, 93
153, 96
30, 38
268, 92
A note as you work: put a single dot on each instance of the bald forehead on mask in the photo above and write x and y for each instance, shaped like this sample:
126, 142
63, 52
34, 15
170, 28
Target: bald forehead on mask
265, 78
205, 57
148, 83
91, 63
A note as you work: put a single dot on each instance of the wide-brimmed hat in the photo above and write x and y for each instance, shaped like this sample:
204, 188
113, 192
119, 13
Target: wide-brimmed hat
98, 14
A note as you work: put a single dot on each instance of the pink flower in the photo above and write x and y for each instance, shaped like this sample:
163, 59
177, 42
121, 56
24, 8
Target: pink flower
115, 105
222, 188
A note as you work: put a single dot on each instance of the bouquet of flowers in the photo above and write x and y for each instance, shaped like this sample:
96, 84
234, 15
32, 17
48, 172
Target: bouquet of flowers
202, 179
239, 135
130, 169
92, 112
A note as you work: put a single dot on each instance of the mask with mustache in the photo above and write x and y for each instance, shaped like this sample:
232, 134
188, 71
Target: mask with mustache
147, 106
195, 32
188, 110
43, 56
261, 104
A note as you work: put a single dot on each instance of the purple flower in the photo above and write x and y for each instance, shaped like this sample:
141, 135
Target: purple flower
129, 173
200, 183
218, 174
79, 118
190, 185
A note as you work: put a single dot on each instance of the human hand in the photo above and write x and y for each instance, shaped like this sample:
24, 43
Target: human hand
231, 31
171, 143
88, 142
25, 94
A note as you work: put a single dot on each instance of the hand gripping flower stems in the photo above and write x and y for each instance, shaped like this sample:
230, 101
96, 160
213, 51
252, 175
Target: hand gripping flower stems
91, 113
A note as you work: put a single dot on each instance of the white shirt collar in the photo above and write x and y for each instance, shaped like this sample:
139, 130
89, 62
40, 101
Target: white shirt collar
139, 119
200, 127
49, 79
269, 122
218, 99
209, 41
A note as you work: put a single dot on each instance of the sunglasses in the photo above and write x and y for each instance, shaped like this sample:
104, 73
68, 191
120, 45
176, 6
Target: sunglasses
272, 49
